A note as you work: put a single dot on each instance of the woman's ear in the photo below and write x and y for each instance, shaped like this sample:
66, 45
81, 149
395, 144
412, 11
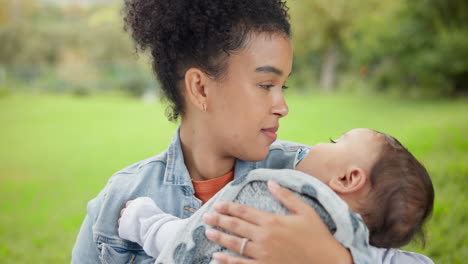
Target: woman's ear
353, 180
196, 88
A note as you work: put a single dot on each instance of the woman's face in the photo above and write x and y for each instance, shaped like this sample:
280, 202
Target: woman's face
248, 101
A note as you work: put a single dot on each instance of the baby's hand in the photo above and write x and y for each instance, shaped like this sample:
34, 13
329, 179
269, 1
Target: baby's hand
123, 210
141, 220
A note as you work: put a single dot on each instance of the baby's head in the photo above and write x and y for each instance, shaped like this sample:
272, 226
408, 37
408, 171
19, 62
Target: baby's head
379, 179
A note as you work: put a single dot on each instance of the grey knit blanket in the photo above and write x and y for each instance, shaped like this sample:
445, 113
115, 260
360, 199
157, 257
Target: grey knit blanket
190, 245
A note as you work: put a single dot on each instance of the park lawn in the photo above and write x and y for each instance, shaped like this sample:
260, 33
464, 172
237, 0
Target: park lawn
57, 152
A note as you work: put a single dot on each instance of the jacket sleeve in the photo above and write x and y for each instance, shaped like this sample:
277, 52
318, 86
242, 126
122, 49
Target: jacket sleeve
396, 256
85, 250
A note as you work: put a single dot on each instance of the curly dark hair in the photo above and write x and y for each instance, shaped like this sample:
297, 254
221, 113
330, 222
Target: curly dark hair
197, 33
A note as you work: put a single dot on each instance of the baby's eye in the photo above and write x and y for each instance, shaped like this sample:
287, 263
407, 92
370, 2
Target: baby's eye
332, 141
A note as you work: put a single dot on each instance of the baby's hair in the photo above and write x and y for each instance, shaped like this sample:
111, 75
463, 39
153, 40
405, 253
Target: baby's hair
181, 34
401, 197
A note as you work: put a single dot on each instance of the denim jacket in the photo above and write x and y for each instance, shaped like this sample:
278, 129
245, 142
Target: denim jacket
165, 179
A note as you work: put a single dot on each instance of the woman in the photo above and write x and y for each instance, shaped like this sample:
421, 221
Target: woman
222, 66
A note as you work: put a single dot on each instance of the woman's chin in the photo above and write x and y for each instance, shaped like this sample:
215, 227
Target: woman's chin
256, 155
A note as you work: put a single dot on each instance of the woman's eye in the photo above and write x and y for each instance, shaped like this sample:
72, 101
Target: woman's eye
284, 87
332, 141
266, 86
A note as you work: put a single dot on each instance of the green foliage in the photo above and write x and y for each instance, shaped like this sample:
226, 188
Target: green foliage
80, 50
319, 37
58, 152
413, 48
421, 49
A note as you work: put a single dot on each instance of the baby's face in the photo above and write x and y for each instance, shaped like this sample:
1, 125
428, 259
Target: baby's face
359, 148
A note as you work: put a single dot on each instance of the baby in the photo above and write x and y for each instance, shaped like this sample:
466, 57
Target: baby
367, 171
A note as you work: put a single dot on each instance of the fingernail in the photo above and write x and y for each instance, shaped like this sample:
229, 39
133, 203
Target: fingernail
217, 256
210, 233
273, 185
208, 217
218, 206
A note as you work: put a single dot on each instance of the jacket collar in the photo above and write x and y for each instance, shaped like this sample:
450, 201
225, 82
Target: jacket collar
177, 174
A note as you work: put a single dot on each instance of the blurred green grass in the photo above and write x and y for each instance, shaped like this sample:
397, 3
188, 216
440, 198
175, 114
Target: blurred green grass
57, 152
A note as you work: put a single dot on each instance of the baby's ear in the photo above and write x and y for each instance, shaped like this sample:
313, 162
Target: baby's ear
353, 180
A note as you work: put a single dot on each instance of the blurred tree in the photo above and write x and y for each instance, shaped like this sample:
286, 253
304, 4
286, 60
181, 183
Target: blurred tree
421, 48
417, 47
322, 26
69, 48
14, 11
26, 45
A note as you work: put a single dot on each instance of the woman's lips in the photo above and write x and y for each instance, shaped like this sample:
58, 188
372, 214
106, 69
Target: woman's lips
270, 132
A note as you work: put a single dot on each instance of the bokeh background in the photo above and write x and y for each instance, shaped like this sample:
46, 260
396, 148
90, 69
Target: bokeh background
77, 104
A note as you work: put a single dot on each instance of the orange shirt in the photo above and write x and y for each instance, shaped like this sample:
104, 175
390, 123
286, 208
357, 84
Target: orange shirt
204, 190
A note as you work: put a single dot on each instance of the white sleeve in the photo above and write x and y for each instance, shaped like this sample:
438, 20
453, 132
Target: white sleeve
396, 256
145, 223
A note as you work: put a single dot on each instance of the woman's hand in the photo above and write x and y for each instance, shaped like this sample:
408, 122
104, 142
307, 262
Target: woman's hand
301, 237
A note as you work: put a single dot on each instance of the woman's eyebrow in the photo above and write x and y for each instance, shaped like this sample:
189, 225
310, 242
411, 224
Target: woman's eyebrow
269, 69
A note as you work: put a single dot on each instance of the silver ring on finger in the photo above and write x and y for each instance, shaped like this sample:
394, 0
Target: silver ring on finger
242, 247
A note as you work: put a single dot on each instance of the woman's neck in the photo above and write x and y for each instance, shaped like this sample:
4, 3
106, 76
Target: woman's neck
201, 157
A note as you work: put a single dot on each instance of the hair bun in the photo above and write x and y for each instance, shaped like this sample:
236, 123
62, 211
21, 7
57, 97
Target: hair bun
197, 33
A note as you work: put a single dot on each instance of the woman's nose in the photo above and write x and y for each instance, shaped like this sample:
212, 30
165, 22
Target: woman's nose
280, 107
